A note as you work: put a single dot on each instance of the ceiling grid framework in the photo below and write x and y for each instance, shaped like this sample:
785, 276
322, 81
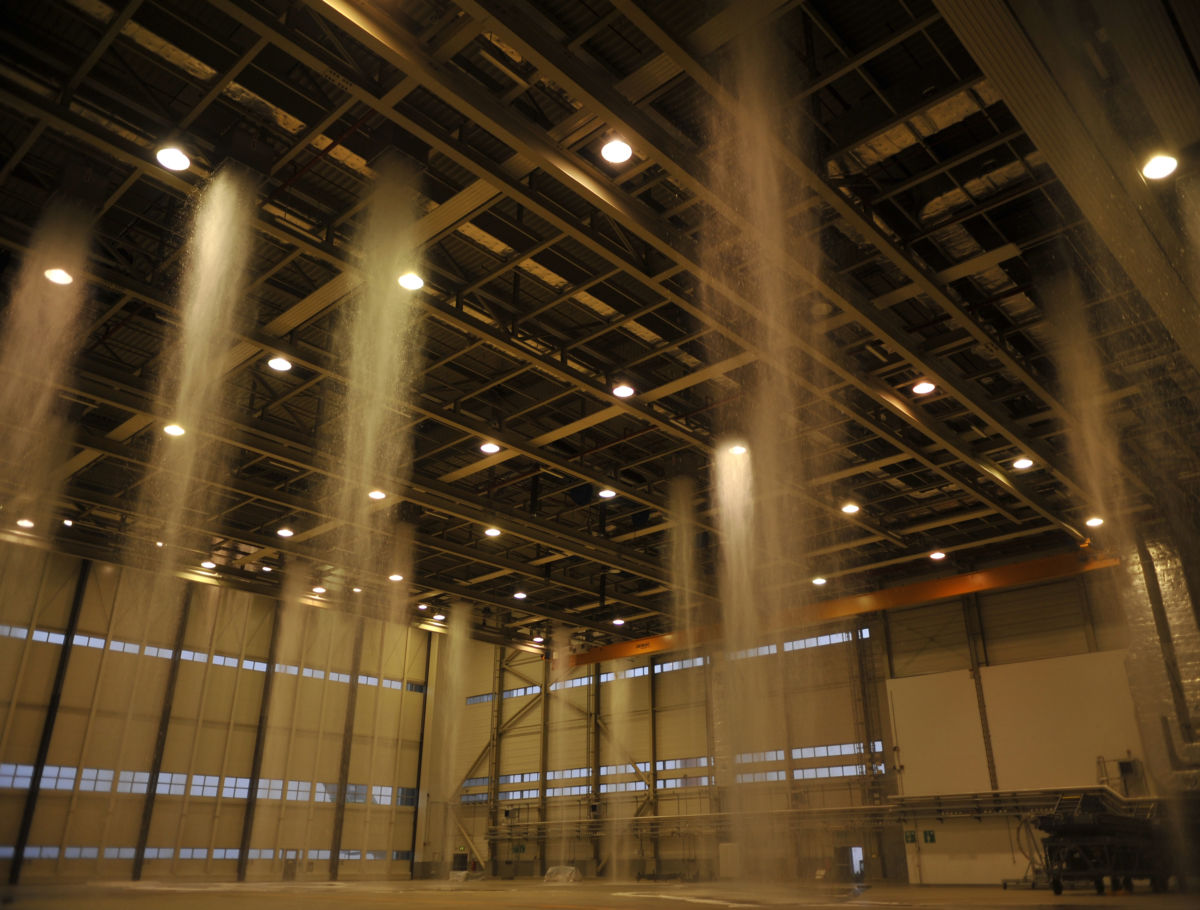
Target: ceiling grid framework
943, 188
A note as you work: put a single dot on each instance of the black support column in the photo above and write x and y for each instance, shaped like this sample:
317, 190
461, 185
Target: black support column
260, 739
339, 816
39, 762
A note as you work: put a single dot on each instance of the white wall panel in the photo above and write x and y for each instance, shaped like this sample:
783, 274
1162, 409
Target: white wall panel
937, 727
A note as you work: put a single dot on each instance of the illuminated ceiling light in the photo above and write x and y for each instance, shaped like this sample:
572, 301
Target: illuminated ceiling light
279, 364
422, 606
395, 576
606, 493
1159, 166
937, 554
356, 590
538, 639
173, 158
158, 543
377, 494
1022, 463
850, 508
411, 281
623, 390
618, 622
67, 522
616, 151
492, 532
285, 532
737, 450
267, 569
1094, 522
208, 564
58, 276
24, 523
489, 448
819, 580
924, 387
174, 429
520, 595
318, 589
439, 616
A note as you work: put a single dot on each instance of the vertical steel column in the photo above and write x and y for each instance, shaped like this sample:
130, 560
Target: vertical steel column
412, 863
1166, 643
160, 739
594, 758
977, 649
654, 762
39, 762
543, 762
493, 791
260, 740
339, 812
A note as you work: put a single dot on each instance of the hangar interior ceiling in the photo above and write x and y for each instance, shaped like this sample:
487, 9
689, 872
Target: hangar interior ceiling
960, 160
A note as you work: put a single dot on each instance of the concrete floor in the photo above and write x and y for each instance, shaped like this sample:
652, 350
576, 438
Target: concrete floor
539, 896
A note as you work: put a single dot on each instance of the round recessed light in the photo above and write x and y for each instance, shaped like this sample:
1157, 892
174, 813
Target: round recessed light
623, 390
285, 532
538, 639
158, 543
395, 576
24, 523
173, 158
411, 281
279, 364
819, 580
492, 532
318, 589
356, 590
607, 493
67, 522
267, 569
937, 554
489, 448
208, 564
1094, 522
616, 151
377, 494
924, 387
737, 450
1159, 166
520, 595
422, 606
618, 622
174, 429
58, 276
1022, 463
850, 508
439, 616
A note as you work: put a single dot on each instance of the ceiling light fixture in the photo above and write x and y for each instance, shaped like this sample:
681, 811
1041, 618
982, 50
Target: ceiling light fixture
67, 522
422, 606
850, 508
58, 276
1094, 522
1159, 166
937, 554
623, 390
538, 639
208, 564
158, 543
377, 495
285, 532
607, 493
24, 523
1022, 463
411, 281
439, 616
819, 580
616, 151
356, 590
395, 576
174, 429
173, 158
618, 622
267, 569
489, 448
279, 364
318, 589
492, 532
738, 449
924, 387
520, 595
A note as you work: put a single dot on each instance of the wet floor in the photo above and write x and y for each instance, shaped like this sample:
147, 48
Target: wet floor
539, 896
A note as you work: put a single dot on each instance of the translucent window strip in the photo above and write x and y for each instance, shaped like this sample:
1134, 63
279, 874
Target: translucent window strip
679, 764
49, 636
474, 797
96, 780
749, 757
570, 683
236, 788
626, 786
133, 781
55, 777
687, 663
568, 773
578, 790
833, 771
524, 690
634, 672
760, 651
607, 770
833, 751
519, 794
325, 792
479, 699
678, 783
475, 782
173, 784
757, 777
529, 777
